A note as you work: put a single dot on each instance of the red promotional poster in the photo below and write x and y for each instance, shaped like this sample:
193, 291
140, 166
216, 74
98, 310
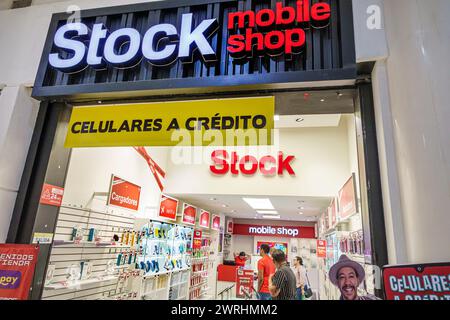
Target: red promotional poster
51, 195
347, 199
197, 234
417, 282
244, 283
168, 207
215, 222
197, 244
124, 194
189, 214
321, 248
17, 262
204, 219
230, 227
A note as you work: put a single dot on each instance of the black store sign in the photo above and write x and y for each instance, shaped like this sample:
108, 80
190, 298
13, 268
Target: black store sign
169, 45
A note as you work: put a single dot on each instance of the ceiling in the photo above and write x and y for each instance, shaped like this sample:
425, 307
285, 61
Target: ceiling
234, 206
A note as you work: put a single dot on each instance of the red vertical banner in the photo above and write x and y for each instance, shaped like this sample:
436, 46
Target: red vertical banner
197, 242
189, 214
215, 222
168, 207
17, 263
244, 283
51, 195
321, 248
204, 219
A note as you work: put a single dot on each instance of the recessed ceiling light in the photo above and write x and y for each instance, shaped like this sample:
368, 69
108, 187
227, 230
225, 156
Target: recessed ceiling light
258, 203
233, 211
300, 213
276, 117
224, 206
271, 217
267, 211
212, 199
322, 100
299, 120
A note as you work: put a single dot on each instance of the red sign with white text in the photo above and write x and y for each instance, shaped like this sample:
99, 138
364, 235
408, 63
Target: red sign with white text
321, 248
244, 283
189, 214
124, 194
168, 207
274, 231
17, 263
198, 234
417, 282
347, 199
249, 165
51, 195
215, 222
204, 219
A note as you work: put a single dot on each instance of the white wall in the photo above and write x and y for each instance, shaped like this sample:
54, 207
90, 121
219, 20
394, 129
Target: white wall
90, 171
17, 117
321, 167
418, 75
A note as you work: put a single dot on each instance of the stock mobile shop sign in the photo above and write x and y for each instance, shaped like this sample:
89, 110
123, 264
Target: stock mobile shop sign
244, 121
174, 45
417, 282
17, 263
274, 231
271, 31
124, 194
168, 207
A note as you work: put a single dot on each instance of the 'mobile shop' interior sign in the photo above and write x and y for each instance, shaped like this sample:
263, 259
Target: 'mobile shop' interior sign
137, 46
274, 231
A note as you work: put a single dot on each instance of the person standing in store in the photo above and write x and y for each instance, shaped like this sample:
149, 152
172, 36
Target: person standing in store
266, 268
241, 259
282, 284
347, 275
300, 276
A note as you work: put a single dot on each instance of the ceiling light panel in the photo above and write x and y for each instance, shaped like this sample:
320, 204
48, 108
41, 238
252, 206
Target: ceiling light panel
258, 203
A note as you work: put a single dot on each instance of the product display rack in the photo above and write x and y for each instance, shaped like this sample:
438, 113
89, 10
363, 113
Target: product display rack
165, 259
200, 270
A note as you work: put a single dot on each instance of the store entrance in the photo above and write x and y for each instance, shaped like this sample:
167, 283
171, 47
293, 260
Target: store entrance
172, 222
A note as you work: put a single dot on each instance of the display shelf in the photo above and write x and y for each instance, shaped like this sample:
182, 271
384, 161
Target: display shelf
60, 243
198, 285
181, 298
179, 283
78, 284
153, 292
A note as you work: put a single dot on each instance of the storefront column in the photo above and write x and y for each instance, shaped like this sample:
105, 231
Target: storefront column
47, 162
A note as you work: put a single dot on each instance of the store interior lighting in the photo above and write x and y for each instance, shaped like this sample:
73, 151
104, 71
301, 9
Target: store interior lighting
269, 212
271, 217
258, 203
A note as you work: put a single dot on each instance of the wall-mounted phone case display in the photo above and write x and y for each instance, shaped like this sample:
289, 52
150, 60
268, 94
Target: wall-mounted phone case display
164, 247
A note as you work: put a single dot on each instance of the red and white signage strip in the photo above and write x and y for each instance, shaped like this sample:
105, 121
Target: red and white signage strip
189, 214
204, 219
274, 231
168, 207
124, 194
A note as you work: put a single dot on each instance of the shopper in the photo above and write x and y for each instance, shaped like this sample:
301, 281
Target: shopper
347, 275
282, 284
266, 268
241, 259
300, 277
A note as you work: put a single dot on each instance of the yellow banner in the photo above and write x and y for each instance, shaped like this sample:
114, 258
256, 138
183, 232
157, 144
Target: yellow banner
221, 122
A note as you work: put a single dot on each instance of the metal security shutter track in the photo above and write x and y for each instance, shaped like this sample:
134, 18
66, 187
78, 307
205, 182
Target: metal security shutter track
65, 254
328, 55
